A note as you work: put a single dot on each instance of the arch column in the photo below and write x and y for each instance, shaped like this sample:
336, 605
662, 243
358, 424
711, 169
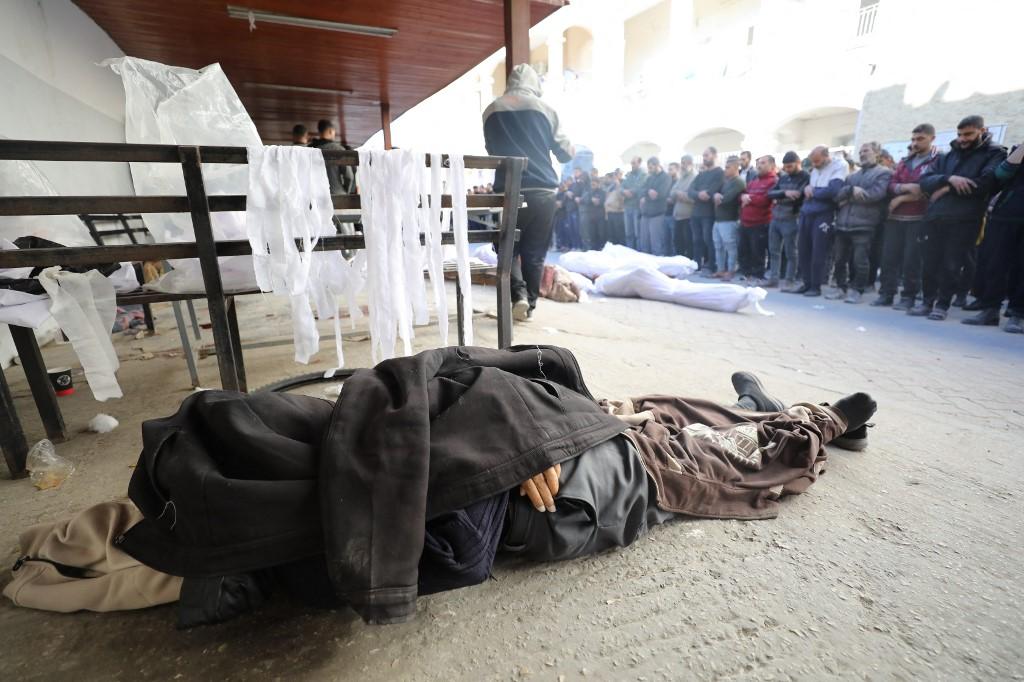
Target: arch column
555, 82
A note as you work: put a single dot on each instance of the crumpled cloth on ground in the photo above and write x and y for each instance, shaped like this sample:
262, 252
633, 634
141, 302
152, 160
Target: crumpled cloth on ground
557, 284
653, 285
74, 565
618, 257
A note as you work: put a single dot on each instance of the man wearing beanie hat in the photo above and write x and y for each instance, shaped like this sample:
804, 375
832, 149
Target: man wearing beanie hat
782, 231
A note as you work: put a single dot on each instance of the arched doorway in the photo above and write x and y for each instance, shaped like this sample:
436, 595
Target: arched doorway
725, 140
643, 149
830, 126
578, 53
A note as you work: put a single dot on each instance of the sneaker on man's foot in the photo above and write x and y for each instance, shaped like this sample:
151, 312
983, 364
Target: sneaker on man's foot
920, 310
770, 283
746, 384
989, 317
521, 310
811, 293
835, 295
960, 300
852, 297
904, 304
973, 306
882, 300
1014, 325
798, 289
938, 314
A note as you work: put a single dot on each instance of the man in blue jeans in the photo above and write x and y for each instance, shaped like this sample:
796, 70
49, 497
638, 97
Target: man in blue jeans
519, 123
817, 216
632, 190
788, 195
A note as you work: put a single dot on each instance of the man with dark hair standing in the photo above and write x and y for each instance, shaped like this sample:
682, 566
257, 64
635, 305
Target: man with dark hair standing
520, 123
340, 178
702, 220
300, 136
862, 208
727, 220
901, 248
755, 215
959, 186
682, 208
747, 171
788, 195
1003, 250
632, 189
817, 215
592, 222
653, 203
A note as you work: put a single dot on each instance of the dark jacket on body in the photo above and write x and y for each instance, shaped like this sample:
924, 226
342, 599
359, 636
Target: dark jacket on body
1010, 204
786, 208
866, 213
978, 164
731, 190
660, 182
708, 180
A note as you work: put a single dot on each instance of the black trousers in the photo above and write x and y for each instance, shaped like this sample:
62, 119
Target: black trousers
1002, 257
945, 245
857, 244
617, 228
753, 248
683, 239
814, 245
875, 256
535, 223
901, 258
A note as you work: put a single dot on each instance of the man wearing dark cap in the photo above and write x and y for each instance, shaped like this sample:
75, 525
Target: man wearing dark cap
788, 195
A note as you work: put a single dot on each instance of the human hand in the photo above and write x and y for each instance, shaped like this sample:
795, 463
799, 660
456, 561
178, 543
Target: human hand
628, 193
704, 196
652, 194
858, 192
542, 488
961, 184
578, 200
898, 200
718, 199
938, 194
744, 199
808, 191
911, 189
792, 194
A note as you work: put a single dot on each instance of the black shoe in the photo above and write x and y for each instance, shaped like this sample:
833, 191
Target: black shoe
748, 385
938, 314
858, 408
921, 310
855, 440
811, 293
972, 306
989, 317
960, 300
904, 304
802, 289
1015, 325
882, 300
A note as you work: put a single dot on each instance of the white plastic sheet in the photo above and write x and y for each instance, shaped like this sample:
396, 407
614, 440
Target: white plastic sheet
84, 307
23, 178
653, 285
174, 105
616, 257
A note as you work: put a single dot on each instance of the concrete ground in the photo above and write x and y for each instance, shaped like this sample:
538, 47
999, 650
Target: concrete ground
902, 562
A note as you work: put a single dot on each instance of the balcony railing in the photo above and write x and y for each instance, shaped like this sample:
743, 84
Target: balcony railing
866, 20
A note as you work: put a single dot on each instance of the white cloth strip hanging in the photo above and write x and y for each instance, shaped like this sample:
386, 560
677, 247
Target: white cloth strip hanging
289, 199
460, 225
435, 252
412, 226
84, 307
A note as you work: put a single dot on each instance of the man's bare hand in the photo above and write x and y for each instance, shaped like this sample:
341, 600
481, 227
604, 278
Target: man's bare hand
858, 192
542, 488
898, 200
744, 199
808, 191
938, 194
792, 194
961, 184
704, 196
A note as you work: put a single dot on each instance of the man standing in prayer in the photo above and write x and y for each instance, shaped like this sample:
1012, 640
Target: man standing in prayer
817, 215
727, 217
653, 205
520, 123
788, 195
702, 220
632, 189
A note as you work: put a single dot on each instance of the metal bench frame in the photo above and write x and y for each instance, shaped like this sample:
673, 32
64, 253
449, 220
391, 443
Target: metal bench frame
199, 205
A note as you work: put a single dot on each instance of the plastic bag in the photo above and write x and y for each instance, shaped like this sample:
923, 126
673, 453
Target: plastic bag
650, 284
22, 179
174, 105
46, 468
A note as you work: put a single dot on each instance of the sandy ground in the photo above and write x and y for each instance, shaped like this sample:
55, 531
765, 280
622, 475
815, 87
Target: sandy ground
902, 562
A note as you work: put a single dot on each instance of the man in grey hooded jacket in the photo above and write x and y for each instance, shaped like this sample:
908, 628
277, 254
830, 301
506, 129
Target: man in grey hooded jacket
519, 123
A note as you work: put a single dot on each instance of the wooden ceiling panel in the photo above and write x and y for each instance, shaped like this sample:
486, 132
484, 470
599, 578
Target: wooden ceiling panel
437, 41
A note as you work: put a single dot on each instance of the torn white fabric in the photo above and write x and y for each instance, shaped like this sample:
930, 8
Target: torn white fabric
435, 252
102, 423
84, 307
289, 200
653, 285
460, 226
618, 257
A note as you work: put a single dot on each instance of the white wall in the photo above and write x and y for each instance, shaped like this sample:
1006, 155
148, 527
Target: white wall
54, 90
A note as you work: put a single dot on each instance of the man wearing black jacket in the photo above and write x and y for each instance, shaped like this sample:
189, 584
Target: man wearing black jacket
788, 195
653, 203
959, 186
702, 221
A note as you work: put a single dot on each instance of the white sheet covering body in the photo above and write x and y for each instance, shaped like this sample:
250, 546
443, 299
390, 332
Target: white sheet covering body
617, 257
651, 284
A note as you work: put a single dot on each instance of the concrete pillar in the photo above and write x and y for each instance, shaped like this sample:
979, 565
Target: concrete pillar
555, 82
